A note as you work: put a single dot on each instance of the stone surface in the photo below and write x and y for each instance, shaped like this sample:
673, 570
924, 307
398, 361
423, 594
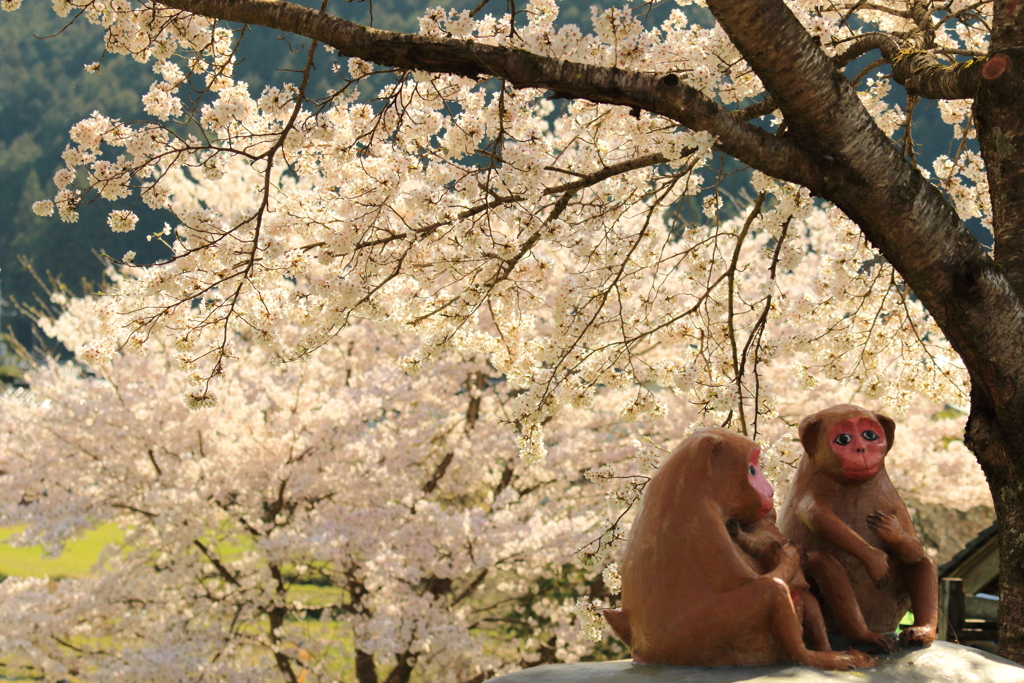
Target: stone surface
940, 663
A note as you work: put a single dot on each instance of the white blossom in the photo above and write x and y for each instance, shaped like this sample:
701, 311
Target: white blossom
122, 220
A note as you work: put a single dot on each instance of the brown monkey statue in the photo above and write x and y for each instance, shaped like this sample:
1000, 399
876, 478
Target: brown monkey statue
690, 595
843, 504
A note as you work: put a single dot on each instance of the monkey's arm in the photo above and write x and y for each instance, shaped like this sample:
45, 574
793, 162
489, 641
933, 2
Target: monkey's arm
775, 556
788, 560
752, 539
826, 525
835, 585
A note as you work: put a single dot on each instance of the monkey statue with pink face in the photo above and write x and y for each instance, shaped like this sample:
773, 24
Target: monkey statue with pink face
690, 594
842, 503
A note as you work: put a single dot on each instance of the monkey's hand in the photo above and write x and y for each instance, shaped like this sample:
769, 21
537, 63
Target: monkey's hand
882, 641
876, 561
887, 527
733, 527
839, 661
918, 635
752, 540
859, 660
899, 541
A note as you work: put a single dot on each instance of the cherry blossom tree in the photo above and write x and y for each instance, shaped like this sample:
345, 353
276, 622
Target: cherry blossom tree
518, 194
440, 549
341, 471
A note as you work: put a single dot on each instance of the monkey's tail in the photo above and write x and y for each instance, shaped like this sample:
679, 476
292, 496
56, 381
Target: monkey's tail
619, 622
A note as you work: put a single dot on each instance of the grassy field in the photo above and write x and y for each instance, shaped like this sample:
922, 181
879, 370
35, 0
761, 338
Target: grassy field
79, 557
76, 560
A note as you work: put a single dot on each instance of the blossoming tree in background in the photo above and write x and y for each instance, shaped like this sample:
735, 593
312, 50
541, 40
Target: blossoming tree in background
438, 549
517, 196
402, 497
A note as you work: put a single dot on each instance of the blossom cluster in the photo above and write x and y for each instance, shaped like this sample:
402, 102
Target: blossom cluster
405, 495
556, 258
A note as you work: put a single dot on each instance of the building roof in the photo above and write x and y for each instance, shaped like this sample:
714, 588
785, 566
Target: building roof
978, 563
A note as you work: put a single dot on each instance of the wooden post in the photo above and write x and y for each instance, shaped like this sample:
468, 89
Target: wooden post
951, 609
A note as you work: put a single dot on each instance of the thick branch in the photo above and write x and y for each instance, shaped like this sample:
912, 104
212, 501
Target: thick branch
403, 668
919, 71
835, 148
900, 212
667, 96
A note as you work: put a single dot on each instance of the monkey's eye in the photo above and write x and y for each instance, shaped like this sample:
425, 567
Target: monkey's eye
869, 435
843, 439
752, 470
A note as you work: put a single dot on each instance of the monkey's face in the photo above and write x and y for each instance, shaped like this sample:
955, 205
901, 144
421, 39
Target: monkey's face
758, 482
860, 446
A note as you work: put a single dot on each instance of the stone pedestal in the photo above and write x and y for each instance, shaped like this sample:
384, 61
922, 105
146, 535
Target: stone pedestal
940, 663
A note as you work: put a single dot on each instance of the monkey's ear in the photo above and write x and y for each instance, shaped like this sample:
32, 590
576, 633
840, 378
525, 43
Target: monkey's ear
704, 444
889, 426
808, 430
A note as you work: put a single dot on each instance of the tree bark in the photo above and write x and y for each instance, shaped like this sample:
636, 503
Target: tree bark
985, 437
918, 71
996, 432
1011, 570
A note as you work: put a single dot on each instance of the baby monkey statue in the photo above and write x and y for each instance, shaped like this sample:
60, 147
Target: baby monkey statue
842, 503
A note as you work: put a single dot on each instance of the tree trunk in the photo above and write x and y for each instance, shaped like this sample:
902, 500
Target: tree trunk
994, 448
366, 669
277, 616
1009, 502
996, 430
402, 670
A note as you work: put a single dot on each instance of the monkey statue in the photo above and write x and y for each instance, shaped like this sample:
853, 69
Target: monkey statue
843, 504
690, 595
